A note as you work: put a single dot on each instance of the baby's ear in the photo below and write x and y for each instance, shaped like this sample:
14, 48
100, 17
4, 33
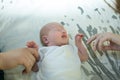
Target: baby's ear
45, 40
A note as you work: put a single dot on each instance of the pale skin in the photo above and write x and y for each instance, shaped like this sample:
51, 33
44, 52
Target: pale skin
99, 39
54, 34
82, 52
22, 56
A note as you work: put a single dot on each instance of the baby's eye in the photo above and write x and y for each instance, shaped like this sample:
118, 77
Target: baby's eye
58, 30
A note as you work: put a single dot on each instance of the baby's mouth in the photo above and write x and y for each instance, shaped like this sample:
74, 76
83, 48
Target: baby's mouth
64, 36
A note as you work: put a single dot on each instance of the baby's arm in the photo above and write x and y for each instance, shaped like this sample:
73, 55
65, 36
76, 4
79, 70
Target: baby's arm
82, 52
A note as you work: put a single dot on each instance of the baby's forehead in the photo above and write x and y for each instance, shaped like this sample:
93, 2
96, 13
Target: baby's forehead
57, 27
52, 26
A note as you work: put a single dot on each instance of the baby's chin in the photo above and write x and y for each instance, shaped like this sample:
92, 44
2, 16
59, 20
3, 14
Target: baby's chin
66, 43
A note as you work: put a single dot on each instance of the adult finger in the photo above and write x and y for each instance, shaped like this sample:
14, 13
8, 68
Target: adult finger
96, 42
34, 52
102, 42
92, 38
28, 63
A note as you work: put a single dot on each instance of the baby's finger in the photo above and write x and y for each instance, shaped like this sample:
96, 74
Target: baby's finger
35, 67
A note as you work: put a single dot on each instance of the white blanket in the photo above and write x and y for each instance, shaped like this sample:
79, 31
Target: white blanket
59, 63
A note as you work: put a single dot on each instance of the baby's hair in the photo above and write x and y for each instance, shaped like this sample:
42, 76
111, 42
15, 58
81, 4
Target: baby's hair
45, 30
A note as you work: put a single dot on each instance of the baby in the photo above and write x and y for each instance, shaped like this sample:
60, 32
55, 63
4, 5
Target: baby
59, 59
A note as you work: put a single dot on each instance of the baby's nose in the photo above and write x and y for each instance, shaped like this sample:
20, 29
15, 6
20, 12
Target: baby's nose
63, 31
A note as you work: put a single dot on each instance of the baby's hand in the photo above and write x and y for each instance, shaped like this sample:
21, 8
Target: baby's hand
78, 39
82, 51
32, 44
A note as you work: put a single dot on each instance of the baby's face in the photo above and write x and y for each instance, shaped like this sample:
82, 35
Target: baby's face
57, 36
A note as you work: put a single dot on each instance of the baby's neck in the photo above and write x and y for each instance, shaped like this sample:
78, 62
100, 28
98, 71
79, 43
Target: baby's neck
57, 45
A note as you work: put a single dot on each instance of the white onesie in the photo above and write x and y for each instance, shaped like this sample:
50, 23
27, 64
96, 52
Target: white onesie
59, 63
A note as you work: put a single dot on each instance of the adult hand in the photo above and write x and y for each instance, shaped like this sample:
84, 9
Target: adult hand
98, 40
23, 56
32, 44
